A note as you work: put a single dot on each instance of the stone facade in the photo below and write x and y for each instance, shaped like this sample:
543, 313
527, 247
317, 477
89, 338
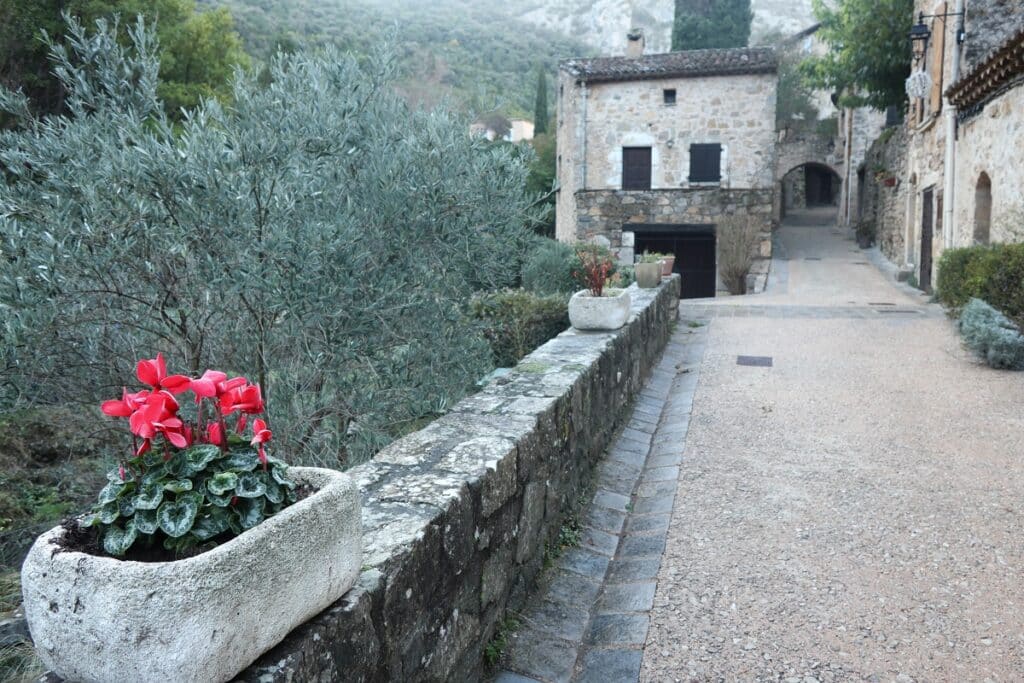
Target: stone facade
457, 516
991, 144
948, 150
599, 115
883, 196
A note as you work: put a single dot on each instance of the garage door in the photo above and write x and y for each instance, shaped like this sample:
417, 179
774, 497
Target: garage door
694, 249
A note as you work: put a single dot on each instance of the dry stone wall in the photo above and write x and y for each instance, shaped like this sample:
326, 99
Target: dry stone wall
884, 195
456, 517
605, 216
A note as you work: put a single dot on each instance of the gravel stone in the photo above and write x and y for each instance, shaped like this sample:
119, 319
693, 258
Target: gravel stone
854, 512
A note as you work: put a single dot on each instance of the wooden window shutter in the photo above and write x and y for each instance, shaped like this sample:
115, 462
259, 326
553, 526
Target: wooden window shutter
938, 58
705, 163
636, 168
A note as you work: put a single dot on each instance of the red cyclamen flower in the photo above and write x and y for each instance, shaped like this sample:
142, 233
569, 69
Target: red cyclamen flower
247, 399
261, 435
126, 405
154, 373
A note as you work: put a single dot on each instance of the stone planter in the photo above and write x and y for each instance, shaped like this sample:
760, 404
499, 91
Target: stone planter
648, 275
668, 263
203, 618
608, 312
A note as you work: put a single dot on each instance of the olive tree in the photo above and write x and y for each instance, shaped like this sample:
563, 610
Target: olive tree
319, 235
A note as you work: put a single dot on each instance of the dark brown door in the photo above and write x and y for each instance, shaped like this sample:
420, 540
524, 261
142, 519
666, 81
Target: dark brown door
927, 225
636, 168
694, 249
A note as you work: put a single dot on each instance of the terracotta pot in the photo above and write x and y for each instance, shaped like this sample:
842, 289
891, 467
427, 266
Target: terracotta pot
201, 619
608, 312
668, 263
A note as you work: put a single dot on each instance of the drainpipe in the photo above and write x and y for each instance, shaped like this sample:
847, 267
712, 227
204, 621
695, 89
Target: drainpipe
949, 185
583, 142
848, 160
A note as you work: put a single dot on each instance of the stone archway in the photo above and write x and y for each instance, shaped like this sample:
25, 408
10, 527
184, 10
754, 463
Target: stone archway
809, 185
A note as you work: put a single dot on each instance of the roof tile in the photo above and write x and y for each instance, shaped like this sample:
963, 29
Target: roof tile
686, 64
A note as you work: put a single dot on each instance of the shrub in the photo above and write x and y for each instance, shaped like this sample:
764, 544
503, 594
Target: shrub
993, 273
738, 237
516, 322
593, 267
312, 232
189, 483
992, 336
548, 269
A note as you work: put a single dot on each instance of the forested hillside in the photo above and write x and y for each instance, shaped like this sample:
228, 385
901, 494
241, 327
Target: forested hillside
468, 51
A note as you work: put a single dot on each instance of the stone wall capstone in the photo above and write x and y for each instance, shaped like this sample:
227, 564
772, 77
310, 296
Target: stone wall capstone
456, 517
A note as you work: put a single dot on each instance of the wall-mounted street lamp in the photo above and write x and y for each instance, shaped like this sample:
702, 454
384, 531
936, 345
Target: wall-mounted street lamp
920, 33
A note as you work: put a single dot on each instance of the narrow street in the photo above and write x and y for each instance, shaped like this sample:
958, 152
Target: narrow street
854, 511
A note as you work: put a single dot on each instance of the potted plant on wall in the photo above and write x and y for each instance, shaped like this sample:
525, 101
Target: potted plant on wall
668, 262
202, 552
648, 270
597, 307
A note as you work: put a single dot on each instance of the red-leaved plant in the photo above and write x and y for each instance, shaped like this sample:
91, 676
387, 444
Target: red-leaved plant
189, 482
596, 266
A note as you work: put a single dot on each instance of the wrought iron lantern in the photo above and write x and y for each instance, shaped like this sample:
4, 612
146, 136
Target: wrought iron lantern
920, 34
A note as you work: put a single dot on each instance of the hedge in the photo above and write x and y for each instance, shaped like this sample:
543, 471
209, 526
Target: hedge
994, 274
516, 322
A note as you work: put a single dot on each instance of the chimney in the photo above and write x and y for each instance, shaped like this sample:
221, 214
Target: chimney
635, 43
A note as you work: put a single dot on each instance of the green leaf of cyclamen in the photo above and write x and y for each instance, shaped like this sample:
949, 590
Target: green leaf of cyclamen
111, 491
176, 518
250, 485
212, 523
109, 512
242, 461
275, 493
249, 512
222, 483
280, 474
146, 521
117, 540
199, 457
178, 486
150, 496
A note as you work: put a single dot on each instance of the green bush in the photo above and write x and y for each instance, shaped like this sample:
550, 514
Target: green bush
516, 322
994, 274
548, 269
303, 233
992, 336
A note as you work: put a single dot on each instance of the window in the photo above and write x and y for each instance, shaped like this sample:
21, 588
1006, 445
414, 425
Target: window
706, 163
669, 95
636, 168
983, 210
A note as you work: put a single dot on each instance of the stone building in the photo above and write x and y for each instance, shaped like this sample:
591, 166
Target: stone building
989, 168
966, 131
654, 149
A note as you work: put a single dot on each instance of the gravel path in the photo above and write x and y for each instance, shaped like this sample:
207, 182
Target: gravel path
852, 512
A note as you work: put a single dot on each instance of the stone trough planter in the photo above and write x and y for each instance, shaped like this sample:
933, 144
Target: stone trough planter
609, 312
203, 618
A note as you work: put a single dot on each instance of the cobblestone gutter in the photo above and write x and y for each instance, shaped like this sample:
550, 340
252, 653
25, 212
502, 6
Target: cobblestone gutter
456, 517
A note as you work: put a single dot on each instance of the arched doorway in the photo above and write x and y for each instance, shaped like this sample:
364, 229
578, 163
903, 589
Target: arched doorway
810, 185
983, 210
